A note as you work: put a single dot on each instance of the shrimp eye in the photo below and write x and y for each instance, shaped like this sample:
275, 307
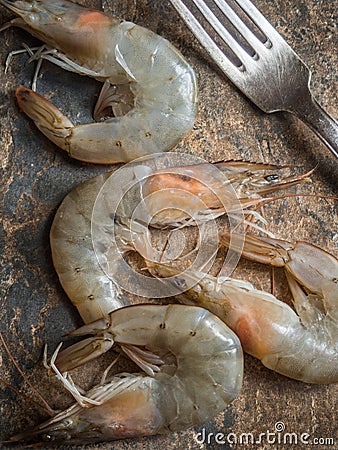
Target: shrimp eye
46, 437
274, 177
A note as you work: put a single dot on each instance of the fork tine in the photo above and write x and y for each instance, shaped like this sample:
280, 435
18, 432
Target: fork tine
218, 55
231, 70
206, 41
241, 27
222, 31
261, 22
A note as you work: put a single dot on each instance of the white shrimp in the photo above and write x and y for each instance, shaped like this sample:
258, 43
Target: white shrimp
302, 345
127, 58
194, 364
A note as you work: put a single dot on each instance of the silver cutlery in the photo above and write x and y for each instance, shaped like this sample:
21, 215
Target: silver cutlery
258, 61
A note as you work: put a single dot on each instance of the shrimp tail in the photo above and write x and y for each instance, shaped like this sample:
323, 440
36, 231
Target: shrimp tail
311, 272
98, 143
91, 348
83, 143
82, 352
313, 268
46, 116
264, 250
87, 349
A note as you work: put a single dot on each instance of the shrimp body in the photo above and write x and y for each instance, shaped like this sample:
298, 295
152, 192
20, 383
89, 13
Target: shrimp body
302, 345
200, 372
147, 83
91, 291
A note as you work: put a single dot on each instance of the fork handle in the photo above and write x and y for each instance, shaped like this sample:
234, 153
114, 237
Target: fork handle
319, 120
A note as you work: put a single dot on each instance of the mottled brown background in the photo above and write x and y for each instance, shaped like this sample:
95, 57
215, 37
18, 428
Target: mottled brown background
36, 176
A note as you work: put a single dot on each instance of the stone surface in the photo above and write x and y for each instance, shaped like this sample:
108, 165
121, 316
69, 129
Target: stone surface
36, 176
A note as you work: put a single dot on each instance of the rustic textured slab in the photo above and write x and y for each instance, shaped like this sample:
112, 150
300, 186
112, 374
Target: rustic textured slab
36, 176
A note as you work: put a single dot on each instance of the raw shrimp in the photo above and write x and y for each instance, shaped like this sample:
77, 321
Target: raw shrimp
128, 59
303, 346
87, 285
196, 367
311, 271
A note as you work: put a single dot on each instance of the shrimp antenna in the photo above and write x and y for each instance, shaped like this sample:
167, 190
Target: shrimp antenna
265, 201
46, 406
28, 397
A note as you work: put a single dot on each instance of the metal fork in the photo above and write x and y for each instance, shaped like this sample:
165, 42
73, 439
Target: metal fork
264, 68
